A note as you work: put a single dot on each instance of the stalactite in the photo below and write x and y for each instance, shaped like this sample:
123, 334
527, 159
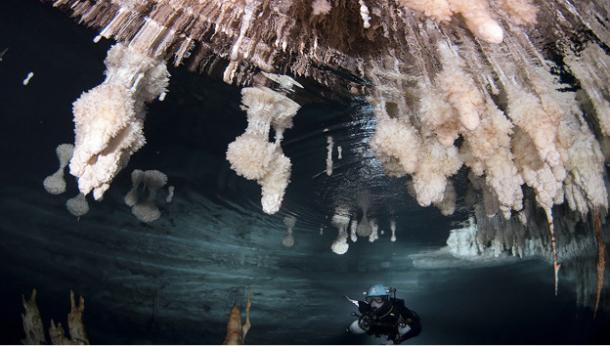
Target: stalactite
390, 139
393, 229
374, 231
252, 155
28, 78
601, 258
476, 14
341, 221
109, 119
78, 205
353, 227
320, 7
364, 227
289, 222
55, 183
447, 204
364, 14
142, 198
556, 264
436, 164
170, 194
329, 155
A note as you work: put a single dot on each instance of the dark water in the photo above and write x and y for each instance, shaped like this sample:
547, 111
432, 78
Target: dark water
174, 281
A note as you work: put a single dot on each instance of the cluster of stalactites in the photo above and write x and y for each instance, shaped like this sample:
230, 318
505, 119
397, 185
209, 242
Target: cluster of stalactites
303, 37
252, 156
524, 236
538, 137
109, 119
527, 236
518, 128
350, 228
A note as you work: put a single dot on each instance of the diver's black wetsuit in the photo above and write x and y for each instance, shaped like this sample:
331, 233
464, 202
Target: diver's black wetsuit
386, 320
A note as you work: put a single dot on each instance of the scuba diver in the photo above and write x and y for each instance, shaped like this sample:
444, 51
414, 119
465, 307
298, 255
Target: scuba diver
382, 314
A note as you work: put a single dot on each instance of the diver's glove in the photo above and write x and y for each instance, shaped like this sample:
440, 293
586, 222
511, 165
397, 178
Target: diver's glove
364, 322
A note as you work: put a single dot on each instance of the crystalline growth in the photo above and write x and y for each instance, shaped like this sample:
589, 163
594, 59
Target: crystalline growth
252, 155
109, 119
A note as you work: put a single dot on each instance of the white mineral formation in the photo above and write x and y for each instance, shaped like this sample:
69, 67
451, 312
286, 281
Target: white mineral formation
465, 243
288, 240
374, 231
399, 140
78, 205
320, 7
459, 89
452, 84
486, 149
252, 155
329, 155
353, 235
142, 198
365, 14
462, 242
109, 118
3, 53
341, 221
55, 183
28, 78
521, 12
131, 198
447, 204
393, 229
475, 13
170, 194
436, 163
364, 227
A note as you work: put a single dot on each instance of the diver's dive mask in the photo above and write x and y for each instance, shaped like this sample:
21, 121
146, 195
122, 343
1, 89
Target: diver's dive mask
376, 302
